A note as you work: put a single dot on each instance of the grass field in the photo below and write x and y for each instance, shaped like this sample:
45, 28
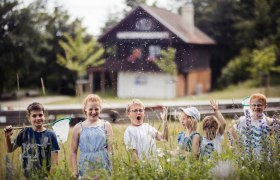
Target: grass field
231, 164
238, 91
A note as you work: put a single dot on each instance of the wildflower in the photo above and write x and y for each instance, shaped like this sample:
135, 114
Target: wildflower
223, 170
160, 152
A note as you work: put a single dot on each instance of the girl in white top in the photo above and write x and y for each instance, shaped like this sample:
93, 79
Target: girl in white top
213, 129
139, 137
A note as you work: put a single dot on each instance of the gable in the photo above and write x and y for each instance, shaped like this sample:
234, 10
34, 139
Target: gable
159, 23
136, 26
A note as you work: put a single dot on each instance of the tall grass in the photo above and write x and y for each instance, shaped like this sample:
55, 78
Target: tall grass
231, 164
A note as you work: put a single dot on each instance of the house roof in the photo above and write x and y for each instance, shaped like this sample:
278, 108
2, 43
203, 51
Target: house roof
172, 22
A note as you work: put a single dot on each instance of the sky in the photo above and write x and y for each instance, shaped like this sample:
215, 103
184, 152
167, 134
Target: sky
94, 13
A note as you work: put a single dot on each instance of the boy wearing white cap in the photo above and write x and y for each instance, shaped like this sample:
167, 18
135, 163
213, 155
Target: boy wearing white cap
189, 140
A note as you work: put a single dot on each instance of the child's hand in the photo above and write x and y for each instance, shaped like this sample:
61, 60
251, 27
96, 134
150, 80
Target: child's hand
8, 130
214, 105
163, 114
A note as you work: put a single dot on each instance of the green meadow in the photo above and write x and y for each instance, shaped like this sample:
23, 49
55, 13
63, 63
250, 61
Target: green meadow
231, 164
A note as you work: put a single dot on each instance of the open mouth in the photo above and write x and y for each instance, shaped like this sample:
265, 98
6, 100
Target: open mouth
138, 118
95, 115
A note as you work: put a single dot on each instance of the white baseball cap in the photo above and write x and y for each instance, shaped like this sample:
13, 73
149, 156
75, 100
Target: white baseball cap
192, 112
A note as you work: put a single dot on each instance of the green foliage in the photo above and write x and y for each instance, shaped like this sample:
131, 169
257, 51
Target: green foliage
20, 43
263, 61
79, 53
250, 64
167, 61
237, 69
237, 25
231, 164
134, 3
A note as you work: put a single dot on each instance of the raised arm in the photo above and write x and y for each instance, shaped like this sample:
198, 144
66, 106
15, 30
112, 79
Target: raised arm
218, 114
164, 135
8, 133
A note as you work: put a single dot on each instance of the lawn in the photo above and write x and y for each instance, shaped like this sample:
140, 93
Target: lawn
238, 91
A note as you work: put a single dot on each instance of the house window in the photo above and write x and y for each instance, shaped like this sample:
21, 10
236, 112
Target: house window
135, 54
154, 52
144, 24
141, 80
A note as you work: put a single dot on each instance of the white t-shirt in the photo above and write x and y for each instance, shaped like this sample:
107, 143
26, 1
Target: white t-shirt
209, 146
257, 132
142, 139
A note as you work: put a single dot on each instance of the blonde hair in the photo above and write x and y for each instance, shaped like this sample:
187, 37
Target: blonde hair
92, 98
258, 96
193, 120
210, 125
134, 101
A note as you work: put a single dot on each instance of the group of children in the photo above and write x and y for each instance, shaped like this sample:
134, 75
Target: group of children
94, 136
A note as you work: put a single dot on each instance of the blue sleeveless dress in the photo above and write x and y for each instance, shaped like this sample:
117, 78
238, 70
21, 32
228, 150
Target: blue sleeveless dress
93, 148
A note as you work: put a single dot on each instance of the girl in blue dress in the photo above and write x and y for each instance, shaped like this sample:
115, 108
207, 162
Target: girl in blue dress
189, 140
94, 139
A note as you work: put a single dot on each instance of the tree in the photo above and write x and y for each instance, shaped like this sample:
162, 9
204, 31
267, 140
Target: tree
20, 43
263, 61
134, 3
167, 61
60, 80
80, 54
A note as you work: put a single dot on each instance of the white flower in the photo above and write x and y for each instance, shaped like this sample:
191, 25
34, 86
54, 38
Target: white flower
160, 152
223, 170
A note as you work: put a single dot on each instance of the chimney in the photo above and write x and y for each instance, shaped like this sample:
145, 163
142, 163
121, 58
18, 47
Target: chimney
187, 17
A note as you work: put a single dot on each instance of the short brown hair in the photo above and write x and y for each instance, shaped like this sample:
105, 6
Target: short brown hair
210, 125
35, 106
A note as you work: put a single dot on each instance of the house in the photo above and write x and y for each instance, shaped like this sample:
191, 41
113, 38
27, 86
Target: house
132, 46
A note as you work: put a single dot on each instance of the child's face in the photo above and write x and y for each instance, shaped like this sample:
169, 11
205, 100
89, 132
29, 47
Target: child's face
185, 120
37, 118
92, 110
136, 114
257, 106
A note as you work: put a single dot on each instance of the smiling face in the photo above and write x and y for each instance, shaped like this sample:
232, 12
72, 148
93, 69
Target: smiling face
92, 110
136, 114
257, 106
37, 119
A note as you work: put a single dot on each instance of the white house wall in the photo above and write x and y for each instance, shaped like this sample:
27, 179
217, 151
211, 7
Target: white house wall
146, 85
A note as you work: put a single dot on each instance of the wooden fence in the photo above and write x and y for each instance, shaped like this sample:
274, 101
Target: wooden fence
118, 115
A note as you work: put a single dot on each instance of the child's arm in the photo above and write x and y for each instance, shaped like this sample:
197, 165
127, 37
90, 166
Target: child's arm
218, 114
130, 145
195, 146
164, 135
232, 133
74, 150
133, 156
54, 160
109, 134
8, 133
